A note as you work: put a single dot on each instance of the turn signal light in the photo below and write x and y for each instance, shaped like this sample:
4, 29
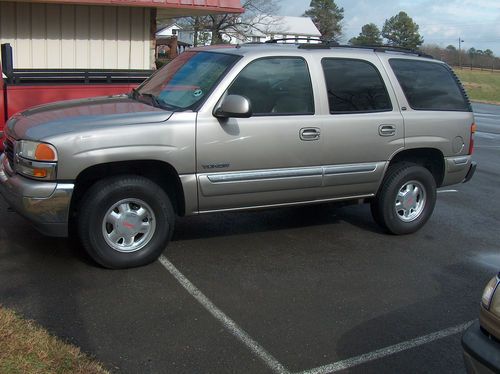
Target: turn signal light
39, 173
45, 152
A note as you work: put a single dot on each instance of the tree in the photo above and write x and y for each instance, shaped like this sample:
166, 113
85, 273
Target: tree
401, 31
255, 17
369, 35
489, 53
327, 17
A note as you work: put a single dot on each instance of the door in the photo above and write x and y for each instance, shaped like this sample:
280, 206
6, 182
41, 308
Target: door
363, 129
273, 157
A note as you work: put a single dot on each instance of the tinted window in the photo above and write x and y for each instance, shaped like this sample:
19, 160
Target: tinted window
276, 86
354, 86
429, 85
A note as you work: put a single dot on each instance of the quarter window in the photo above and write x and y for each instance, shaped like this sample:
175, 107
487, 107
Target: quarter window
276, 86
354, 86
429, 85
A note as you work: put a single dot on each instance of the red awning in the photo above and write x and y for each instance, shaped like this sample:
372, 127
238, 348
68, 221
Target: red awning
181, 7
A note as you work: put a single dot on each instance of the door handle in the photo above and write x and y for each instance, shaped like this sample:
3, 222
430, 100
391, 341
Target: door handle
309, 133
387, 130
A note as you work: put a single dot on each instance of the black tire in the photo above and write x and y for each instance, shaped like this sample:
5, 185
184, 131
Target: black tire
383, 207
132, 191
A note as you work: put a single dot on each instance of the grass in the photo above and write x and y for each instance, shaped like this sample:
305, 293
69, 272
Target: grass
27, 348
483, 86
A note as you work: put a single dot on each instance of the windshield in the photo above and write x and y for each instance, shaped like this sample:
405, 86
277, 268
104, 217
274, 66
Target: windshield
186, 80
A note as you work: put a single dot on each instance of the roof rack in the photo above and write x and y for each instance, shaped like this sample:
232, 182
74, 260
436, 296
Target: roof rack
375, 48
309, 39
327, 44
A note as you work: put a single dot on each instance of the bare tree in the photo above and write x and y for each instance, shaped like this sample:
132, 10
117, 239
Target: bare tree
224, 27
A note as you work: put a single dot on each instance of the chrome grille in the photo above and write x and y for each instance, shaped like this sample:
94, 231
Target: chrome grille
9, 151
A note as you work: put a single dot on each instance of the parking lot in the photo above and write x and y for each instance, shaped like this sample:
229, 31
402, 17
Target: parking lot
314, 289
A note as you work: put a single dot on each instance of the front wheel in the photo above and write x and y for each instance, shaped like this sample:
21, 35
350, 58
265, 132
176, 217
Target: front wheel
406, 199
125, 221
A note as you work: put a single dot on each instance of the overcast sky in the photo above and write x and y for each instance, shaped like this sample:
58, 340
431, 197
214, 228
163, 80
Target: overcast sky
441, 22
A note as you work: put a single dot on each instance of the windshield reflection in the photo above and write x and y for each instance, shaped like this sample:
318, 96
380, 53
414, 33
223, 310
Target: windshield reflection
185, 81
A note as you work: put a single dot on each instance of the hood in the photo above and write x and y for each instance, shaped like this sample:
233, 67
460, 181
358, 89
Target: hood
44, 121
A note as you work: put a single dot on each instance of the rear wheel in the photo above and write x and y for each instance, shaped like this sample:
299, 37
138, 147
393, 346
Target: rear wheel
125, 221
406, 199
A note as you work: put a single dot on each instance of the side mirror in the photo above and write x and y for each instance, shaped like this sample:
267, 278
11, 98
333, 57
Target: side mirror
234, 106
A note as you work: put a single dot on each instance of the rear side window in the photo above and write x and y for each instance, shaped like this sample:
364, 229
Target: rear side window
276, 86
429, 85
354, 86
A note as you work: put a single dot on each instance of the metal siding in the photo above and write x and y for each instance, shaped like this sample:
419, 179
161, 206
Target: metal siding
22, 56
76, 36
38, 35
68, 47
96, 38
54, 41
123, 37
137, 38
110, 37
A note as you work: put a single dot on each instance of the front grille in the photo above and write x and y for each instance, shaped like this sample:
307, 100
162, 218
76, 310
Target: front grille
9, 151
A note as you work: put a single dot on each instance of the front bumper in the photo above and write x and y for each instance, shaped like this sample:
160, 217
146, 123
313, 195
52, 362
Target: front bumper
481, 353
45, 204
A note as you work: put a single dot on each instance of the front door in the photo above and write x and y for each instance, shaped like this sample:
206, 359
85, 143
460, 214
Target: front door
273, 157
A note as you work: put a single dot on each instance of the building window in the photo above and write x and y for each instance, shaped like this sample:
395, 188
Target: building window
255, 39
174, 31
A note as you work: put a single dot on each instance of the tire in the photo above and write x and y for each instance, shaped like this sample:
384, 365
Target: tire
125, 221
405, 200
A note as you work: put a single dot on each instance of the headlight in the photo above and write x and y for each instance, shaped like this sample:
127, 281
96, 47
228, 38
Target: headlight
489, 291
36, 160
36, 151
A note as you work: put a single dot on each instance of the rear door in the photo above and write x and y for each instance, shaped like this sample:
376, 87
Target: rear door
272, 158
362, 127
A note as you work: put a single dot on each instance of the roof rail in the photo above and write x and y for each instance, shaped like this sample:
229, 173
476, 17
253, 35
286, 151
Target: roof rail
375, 48
309, 39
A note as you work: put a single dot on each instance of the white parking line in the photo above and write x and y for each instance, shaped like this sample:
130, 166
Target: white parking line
393, 349
228, 323
272, 362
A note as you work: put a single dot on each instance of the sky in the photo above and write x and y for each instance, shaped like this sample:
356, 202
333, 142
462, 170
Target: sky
442, 22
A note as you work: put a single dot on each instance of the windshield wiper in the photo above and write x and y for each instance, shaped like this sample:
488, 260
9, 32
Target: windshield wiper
136, 95
152, 98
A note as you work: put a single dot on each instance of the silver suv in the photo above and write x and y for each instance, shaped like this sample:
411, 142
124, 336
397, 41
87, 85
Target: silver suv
245, 127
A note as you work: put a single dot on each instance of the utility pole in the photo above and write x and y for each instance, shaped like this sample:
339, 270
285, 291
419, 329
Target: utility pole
460, 41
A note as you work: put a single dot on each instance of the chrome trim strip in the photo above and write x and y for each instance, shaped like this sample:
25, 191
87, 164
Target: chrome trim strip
265, 174
347, 169
461, 160
291, 173
319, 201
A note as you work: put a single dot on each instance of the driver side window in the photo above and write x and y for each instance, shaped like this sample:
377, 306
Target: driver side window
276, 86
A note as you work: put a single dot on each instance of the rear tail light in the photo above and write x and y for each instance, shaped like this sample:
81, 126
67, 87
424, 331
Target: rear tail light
473, 129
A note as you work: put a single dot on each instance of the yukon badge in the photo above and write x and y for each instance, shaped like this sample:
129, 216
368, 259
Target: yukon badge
215, 166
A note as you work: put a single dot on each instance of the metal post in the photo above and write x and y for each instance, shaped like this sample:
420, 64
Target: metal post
460, 41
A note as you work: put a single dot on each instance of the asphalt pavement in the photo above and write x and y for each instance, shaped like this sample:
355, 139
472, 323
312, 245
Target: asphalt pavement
308, 287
